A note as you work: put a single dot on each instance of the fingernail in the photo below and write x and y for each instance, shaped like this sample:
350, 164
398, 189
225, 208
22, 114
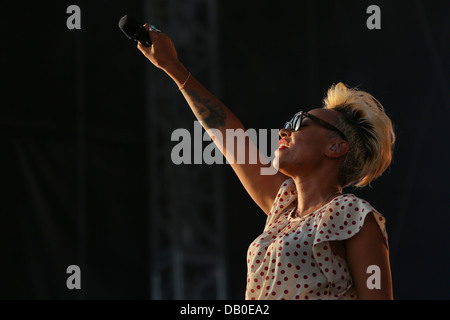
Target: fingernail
153, 28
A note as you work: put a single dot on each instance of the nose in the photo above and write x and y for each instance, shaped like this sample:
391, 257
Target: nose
285, 133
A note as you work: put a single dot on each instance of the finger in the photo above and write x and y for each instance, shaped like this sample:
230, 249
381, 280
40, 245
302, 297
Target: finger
147, 27
153, 28
154, 35
139, 46
142, 48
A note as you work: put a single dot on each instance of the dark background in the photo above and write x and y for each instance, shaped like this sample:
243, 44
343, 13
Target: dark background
277, 57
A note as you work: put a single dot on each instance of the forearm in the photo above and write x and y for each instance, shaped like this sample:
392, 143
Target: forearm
234, 144
209, 110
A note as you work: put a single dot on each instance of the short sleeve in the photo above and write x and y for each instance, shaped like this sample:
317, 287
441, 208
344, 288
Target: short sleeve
284, 201
344, 217
341, 219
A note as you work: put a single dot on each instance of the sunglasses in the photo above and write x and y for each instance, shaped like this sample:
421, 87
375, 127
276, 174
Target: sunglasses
295, 123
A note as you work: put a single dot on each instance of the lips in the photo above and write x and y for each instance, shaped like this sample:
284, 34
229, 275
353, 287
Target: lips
283, 144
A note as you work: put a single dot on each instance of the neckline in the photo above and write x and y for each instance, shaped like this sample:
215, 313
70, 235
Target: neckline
314, 212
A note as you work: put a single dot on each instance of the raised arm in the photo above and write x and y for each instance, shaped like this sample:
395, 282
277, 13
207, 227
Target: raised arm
213, 114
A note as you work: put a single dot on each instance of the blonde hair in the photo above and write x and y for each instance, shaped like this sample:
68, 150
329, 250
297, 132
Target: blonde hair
368, 130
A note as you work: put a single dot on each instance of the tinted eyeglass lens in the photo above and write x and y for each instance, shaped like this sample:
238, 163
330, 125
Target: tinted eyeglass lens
296, 122
287, 125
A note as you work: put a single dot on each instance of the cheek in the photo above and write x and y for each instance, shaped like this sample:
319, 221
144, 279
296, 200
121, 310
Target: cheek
302, 154
304, 151
310, 144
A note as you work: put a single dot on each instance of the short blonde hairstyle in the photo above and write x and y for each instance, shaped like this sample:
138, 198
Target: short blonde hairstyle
368, 130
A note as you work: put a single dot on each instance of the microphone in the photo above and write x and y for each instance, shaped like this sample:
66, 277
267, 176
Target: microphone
134, 30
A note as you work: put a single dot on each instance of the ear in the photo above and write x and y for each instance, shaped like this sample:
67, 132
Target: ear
338, 149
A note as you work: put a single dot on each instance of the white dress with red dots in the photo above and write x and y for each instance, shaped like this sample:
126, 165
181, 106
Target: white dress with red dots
293, 259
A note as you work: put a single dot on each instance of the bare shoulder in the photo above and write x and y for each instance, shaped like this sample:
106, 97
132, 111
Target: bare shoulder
364, 250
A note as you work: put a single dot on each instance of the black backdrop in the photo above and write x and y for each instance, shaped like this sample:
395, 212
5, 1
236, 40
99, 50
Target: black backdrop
73, 146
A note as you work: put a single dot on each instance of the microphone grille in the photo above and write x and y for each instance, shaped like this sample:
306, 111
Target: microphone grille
128, 25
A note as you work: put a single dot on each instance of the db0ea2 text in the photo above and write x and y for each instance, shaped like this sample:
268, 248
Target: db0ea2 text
246, 309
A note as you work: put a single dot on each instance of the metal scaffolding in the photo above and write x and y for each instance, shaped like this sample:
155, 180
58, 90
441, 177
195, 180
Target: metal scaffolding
186, 201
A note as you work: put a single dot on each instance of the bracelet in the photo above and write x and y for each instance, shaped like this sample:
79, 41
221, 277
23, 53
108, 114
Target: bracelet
185, 81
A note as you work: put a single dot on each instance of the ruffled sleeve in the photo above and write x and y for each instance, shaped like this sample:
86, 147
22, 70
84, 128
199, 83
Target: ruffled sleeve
341, 219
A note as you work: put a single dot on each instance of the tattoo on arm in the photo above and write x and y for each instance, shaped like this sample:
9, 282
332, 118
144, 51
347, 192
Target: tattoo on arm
210, 113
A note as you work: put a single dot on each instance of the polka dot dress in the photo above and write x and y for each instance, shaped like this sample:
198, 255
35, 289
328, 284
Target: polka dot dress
293, 259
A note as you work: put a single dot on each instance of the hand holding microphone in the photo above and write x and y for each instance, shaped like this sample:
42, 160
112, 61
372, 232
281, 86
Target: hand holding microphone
133, 30
155, 45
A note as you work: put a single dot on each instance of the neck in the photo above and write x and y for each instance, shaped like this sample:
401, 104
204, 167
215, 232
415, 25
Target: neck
313, 194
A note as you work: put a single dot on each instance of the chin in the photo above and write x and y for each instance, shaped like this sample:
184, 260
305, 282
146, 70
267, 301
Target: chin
276, 160
278, 164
